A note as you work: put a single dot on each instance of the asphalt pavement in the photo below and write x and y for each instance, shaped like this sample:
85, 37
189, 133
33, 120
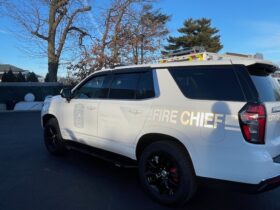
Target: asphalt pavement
30, 178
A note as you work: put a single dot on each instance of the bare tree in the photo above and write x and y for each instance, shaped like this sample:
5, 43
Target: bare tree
144, 34
51, 21
112, 25
130, 32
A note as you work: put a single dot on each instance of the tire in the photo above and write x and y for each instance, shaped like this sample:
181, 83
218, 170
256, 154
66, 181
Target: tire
166, 173
52, 138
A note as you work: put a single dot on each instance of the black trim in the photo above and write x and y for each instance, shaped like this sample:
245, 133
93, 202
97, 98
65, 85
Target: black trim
276, 159
263, 186
226, 185
124, 70
116, 159
246, 84
263, 67
269, 184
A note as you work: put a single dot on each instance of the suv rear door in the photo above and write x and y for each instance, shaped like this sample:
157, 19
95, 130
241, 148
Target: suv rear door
268, 94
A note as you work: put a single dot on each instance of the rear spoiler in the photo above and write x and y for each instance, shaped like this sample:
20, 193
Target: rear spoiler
263, 67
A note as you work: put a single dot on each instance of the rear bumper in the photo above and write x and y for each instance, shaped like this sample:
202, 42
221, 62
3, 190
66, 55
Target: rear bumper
268, 184
263, 186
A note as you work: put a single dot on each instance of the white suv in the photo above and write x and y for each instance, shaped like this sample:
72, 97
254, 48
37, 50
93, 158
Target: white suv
178, 121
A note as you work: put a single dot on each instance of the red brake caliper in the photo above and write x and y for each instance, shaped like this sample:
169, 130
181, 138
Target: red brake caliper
175, 176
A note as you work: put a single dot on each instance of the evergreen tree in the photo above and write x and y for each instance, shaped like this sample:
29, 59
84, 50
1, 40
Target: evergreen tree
10, 77
196, 33
20, 77
4, 77
32, 77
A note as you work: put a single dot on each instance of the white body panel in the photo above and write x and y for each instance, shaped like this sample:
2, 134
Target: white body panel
209, 130
79, 119
120, 122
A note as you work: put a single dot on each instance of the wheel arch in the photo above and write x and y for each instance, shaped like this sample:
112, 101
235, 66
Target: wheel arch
46, 118
150, 138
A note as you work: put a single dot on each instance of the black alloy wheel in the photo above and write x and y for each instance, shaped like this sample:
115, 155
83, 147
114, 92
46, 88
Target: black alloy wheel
52, 137
167, 174
162, 173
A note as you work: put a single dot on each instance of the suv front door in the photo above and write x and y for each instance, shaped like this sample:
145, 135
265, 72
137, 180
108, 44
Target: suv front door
123, 115
80, 115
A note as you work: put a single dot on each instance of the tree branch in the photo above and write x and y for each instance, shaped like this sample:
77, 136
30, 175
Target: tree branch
82, 33
36, 33
66, 29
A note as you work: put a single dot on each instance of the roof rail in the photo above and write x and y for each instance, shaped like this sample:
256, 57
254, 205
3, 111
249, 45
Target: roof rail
200, 54
112, 66
239, 55
184, 51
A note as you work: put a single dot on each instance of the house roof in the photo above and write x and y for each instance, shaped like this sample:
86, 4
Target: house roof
7, 67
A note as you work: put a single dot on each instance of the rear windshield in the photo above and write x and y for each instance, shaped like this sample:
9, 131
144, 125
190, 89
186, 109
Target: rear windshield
267, 87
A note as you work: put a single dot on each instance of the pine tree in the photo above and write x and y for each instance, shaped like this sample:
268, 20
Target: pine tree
10, 77
4, 77
32, 77
196, 33
20, 77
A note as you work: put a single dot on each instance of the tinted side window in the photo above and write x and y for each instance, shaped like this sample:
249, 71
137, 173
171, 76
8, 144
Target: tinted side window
124, 86
145, 88
208, 83
267, 88
96, 87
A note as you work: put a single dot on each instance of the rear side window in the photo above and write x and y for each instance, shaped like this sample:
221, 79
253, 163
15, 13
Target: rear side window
208, 83
145, 88
123, 86
268, 88
137, 85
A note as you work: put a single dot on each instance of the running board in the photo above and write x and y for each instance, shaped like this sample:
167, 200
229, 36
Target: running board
116, 159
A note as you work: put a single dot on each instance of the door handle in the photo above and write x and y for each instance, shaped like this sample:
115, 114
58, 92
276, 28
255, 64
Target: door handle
135, 111
91, 108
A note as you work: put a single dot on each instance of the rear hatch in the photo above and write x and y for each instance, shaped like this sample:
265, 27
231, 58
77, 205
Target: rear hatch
269, 94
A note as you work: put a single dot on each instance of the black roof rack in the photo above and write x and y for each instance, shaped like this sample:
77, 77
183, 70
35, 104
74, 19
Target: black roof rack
184, 51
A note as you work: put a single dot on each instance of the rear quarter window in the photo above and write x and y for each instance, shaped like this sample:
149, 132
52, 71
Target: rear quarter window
268, 88
208, 83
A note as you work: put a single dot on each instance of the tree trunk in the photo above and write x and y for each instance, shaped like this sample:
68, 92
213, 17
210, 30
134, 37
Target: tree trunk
53, 60
135, 55
52, 69
142, 49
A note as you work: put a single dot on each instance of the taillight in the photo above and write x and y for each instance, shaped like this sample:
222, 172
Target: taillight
252, 118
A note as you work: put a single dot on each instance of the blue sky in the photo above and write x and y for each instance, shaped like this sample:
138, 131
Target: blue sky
246, 26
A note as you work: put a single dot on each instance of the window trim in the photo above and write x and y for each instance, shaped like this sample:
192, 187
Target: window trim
121, 71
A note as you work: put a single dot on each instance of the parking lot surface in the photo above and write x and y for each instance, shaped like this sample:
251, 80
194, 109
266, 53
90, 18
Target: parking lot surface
30, 178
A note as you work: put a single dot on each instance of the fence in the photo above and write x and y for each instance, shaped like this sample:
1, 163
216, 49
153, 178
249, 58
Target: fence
11, 93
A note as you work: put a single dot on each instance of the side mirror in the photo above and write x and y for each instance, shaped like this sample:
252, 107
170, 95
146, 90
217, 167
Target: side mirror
66, 93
